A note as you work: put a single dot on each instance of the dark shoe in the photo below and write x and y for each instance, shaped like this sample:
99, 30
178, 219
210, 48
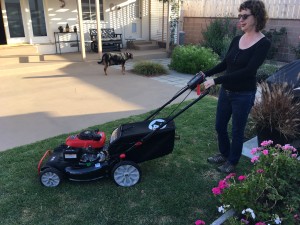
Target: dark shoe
216, 159
226, 168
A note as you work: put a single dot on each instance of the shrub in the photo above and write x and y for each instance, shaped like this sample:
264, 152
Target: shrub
149, 68
192, 59
276, 38
218, 35
296, 50
265, 71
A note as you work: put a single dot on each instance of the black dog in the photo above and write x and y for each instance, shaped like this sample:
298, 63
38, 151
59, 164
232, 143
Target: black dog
110, 58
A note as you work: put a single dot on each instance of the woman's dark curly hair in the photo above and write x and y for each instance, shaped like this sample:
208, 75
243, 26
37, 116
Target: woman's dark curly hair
258, 10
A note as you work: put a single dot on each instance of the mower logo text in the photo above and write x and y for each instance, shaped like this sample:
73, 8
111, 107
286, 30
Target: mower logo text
156, 123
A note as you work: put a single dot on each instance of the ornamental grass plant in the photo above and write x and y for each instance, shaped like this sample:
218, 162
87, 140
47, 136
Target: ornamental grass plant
277, 109
269, 194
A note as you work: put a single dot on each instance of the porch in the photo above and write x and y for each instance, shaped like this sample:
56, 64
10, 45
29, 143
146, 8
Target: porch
19, 56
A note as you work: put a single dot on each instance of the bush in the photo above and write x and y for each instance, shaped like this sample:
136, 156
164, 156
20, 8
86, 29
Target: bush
265, 71
276, 38
191, 59
149, 68
218, 35
296, 50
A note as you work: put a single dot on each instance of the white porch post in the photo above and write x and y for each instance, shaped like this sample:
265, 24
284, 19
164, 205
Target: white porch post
98, 28
82, 43
168, 29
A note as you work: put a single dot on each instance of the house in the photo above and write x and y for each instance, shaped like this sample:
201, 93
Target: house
36, 22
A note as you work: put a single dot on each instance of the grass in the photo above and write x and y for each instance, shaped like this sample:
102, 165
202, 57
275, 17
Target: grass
175, 189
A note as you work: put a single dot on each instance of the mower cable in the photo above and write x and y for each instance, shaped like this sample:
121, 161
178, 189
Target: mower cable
180, 102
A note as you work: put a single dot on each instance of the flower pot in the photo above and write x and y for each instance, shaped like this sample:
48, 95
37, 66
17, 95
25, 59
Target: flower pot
268, 133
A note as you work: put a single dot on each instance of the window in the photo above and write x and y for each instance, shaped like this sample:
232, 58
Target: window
37, 17
89, 10
14, 18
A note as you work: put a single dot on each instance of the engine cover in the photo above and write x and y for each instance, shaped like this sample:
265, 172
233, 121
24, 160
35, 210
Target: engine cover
86, 139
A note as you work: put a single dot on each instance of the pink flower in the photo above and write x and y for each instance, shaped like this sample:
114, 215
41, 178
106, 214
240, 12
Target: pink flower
265, 152
254, 159
253, 151
260, 171
244, 221
260, 223
241, 178
217, 191
286, 147
223, 184
266, 143
294, 155
199, 222
289, 147
229, 176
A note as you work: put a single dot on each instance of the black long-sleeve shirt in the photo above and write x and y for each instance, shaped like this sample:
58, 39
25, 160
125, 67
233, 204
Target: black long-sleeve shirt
241, 65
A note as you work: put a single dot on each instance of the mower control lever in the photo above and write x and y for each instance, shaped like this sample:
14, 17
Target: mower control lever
197, 79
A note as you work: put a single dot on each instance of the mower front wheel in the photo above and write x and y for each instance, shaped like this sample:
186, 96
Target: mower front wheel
50, 177
126, 173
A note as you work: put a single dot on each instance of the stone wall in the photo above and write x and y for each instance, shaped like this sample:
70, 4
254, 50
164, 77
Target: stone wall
193, 27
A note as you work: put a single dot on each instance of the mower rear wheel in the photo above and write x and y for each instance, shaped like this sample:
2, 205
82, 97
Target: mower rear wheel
126, 173
50, 177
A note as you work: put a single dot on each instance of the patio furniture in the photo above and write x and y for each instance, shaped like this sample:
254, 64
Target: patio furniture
111, 41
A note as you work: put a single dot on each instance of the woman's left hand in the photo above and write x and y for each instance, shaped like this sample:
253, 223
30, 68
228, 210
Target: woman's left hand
209, 83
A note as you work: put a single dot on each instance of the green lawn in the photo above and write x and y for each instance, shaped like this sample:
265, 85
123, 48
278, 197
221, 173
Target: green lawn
175, 189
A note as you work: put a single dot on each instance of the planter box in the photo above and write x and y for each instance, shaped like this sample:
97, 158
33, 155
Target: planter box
230, 213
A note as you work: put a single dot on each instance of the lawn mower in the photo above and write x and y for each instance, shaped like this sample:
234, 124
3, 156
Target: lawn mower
86, 157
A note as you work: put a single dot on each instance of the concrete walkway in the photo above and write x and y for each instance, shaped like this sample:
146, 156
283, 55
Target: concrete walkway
45, 99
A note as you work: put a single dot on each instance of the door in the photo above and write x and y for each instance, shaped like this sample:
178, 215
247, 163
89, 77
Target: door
38, 22
2, 31
17, 14
15, 21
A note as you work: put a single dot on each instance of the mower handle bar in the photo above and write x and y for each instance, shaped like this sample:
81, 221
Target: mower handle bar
168, 120
191, 84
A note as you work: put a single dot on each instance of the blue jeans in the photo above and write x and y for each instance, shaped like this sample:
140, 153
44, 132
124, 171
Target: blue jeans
236, 105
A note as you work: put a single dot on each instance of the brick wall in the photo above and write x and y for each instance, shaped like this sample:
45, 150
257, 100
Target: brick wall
193, 27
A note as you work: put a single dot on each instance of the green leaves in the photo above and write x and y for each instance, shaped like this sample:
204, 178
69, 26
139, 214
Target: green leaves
271, 188
192, 58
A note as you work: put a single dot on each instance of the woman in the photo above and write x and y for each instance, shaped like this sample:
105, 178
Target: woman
245, 55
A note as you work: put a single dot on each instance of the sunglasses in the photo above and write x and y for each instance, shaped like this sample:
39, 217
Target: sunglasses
244, 16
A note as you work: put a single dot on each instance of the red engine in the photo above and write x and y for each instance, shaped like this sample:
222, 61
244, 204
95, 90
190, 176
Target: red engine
87, 139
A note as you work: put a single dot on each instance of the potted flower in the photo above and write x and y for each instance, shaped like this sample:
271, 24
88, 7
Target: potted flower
276, 115
61, 29
269, 194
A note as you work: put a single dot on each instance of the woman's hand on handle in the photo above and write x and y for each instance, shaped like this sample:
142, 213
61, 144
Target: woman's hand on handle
209, 83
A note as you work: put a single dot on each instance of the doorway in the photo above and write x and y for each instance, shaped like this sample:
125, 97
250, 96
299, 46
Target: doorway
3, 40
